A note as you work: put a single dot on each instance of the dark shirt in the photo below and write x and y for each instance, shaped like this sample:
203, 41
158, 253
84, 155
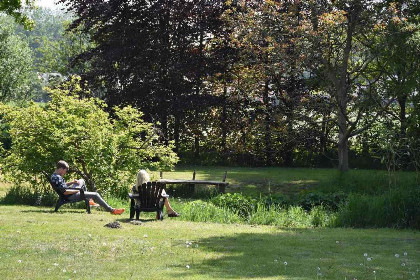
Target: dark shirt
59, 184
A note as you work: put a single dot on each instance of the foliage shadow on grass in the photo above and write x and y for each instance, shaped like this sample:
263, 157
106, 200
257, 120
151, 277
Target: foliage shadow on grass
263, 255
128, 220
53, 212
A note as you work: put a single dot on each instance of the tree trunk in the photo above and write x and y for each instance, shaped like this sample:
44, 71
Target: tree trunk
343, 152
402, 101
223, 121
323, 140
196, 146
267, 136
288, 152
176, 133
343, 155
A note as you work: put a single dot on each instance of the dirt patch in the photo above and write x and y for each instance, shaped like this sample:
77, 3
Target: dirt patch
113, 225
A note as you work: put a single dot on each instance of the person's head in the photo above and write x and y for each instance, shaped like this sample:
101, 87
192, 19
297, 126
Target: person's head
142, 177
62, 168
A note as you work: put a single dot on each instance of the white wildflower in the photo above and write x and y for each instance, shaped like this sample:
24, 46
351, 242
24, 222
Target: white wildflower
275, 260
285, 263
405, 254
369, 259
397, 256
19, 261
365, 254
55, 264
64, 270
145, 236
187, 266
403, 264
337, 242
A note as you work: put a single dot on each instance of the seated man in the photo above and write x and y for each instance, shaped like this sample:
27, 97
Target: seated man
74, 195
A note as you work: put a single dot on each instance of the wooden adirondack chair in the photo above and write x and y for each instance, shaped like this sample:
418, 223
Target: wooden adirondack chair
149, 199
62, 199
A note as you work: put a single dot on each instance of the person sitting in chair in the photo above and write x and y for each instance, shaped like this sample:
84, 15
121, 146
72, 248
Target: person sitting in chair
143, 177
74, 195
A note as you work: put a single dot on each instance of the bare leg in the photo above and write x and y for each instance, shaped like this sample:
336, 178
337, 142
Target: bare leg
167, 204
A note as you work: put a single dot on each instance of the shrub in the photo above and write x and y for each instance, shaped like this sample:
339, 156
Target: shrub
396, 208
105, 152
330, 201
29, 196
243, 205
200, 211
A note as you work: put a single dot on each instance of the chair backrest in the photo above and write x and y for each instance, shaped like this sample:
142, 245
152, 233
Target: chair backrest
150, 194
47, 176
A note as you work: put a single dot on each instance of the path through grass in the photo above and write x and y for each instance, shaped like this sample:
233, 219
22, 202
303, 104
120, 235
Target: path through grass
39, 244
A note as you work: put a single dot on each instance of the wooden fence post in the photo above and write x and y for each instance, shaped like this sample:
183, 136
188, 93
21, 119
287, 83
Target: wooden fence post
192, 186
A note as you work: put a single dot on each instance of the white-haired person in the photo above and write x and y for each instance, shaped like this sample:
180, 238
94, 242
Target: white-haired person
74, 195
143, 177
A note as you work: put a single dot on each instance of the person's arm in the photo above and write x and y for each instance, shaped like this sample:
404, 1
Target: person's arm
72, 182
61, 185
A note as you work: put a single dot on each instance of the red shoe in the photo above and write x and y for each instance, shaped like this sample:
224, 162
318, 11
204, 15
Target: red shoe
118, 211
92, 203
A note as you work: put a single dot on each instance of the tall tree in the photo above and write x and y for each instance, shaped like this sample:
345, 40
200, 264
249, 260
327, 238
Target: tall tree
342, 34
16, 63
15, 9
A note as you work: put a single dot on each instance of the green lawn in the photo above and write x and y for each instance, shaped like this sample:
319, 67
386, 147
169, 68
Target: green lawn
291, 180
39, 244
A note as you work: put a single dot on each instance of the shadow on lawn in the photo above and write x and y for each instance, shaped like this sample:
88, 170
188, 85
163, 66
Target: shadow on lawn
53, 212
251, 255
261, 255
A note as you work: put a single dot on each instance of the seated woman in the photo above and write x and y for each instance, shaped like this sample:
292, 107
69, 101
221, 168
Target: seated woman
143, 177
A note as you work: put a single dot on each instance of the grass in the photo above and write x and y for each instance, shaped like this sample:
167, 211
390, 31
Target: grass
39, 244
253, 181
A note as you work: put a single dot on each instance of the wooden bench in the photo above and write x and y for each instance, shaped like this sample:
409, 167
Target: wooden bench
220, 184
62, 199
149, 199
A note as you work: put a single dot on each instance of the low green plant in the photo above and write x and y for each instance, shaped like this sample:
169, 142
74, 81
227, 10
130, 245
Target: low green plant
237, 202
29, 196
396, 208
330, 201
201, 211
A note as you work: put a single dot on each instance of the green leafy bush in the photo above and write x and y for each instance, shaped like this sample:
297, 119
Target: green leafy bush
30, 196
396, 208
237, 202
330, 201
107, 152
200, 211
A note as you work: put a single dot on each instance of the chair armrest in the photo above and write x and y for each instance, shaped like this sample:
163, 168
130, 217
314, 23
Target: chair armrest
133, 195
165, 195
72, 188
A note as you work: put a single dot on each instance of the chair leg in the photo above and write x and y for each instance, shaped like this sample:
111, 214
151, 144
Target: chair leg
160, 213
87, 206
132, 210
137, 213
58, 204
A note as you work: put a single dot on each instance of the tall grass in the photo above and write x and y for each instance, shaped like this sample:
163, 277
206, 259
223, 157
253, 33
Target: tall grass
395, 208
